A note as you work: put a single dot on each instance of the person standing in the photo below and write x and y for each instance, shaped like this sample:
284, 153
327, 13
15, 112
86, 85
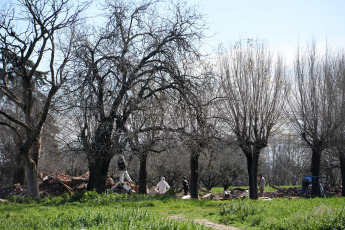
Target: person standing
305, 184
262, 184
122, 164
185, 186
162, 186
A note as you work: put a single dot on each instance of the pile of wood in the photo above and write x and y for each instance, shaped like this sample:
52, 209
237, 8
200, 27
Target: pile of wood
15, 189
60, 183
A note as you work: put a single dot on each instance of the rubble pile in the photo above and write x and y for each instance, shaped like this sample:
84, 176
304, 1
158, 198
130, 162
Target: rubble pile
292, 192
227, 195
16, 189
121, 188
333, 191
60, 183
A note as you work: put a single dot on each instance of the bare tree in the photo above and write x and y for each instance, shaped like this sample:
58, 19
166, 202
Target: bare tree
253, 90
149, 129
286, 159
36, 39
337, 69
196, 115
314, 103
221, 166
132, 58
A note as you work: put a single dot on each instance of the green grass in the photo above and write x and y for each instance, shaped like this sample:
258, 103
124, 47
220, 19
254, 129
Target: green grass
318, 213
92, 211
267, 188
110, 211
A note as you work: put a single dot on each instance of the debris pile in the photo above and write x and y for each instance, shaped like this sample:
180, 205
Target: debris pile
60, 183
227, 195
292, 192
121, 188
15, 189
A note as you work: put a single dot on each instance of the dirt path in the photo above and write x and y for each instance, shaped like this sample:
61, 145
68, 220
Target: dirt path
207, 223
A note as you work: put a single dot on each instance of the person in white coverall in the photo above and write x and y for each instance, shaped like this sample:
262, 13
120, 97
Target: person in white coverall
162, 186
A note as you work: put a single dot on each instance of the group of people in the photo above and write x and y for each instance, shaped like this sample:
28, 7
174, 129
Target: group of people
305, 184
162, 185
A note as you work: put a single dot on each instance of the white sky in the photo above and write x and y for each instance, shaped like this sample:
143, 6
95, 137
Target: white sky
282, 23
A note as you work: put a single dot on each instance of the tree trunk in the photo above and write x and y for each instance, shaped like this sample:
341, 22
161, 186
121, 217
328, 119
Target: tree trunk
31, 177
18, 171
194, 167
142, 174
99, 154
226, 184
31, 157
315, 170
98, 167
342, 168
252, 167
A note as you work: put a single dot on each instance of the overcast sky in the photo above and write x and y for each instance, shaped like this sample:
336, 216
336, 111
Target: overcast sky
283, 23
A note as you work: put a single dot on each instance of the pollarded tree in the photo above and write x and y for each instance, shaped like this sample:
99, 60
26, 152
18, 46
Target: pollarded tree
29, 37
253, 91
314, 104
132, 58
336, 67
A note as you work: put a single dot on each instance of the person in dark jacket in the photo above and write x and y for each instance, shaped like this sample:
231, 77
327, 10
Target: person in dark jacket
122, 164
185, 185
305, 184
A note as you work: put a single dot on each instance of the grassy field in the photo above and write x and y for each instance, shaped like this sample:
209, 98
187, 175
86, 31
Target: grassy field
109, 211
267, 188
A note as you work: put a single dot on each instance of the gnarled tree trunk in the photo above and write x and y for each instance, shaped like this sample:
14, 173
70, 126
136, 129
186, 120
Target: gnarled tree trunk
98, 167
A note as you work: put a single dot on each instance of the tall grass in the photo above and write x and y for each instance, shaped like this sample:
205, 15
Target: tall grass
319, 213
89, 210
69, 217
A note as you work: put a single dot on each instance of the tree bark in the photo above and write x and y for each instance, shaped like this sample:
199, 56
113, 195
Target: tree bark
98, 167
18, 171
31, 176
252, 167
99, 154
142, 174
315, 170
30, 155
342, 168
194, 167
